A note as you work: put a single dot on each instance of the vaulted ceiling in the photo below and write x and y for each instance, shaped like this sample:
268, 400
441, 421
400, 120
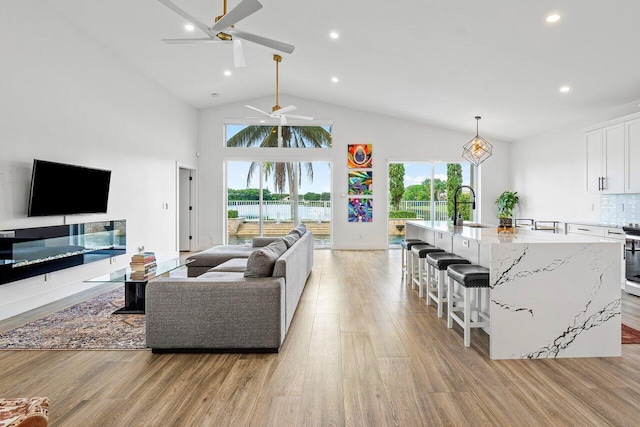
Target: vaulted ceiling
430, 61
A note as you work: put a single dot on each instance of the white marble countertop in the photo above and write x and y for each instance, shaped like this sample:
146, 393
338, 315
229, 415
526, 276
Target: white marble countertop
488, 234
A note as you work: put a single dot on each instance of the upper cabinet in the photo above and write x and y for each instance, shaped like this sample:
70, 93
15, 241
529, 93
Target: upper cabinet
632, 165
613, 157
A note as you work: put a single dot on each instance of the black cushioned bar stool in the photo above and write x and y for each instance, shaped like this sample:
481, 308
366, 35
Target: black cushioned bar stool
437, 263
406, 248
472, 278
419, 266
404, 243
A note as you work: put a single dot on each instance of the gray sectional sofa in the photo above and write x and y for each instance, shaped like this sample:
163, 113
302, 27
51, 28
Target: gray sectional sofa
225, 308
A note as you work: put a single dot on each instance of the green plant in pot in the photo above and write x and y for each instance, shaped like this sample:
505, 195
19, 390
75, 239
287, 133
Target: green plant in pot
506, 203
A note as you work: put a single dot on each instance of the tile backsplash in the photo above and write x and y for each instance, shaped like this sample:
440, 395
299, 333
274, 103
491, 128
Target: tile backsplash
620, 208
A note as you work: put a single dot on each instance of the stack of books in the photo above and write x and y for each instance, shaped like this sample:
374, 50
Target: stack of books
143, 265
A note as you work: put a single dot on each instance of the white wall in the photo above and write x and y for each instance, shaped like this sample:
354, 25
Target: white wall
548, 171
392, 139
65, 98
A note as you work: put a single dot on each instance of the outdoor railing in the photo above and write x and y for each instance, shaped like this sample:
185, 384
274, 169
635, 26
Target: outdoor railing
282, 210
423, 209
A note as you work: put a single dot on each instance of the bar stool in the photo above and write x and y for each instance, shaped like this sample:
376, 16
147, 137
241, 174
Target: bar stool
403, 244
436, 282
407, 244
470, 277
419, 254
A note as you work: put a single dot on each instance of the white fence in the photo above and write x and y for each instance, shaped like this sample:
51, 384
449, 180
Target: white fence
280, 210
423, 209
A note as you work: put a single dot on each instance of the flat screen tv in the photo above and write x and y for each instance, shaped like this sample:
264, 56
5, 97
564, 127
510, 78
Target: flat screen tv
61, 189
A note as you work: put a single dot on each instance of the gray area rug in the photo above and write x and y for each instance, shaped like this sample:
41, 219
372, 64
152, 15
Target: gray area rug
90, 325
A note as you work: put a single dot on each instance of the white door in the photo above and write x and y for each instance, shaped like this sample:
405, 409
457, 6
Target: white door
185, 209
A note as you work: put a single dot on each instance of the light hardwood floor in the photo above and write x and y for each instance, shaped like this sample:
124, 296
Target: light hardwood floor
363, 349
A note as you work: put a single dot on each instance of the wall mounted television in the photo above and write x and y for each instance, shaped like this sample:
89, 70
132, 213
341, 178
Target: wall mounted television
62, 189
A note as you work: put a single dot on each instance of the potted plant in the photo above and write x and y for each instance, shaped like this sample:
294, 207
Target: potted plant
506, 202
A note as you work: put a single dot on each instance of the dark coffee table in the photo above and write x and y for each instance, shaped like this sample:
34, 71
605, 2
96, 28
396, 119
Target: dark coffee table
134, 289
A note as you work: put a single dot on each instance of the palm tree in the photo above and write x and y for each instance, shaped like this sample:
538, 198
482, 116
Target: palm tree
292, 137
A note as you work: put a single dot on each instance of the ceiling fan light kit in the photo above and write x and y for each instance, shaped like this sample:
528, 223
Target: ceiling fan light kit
478, 149
223, 30
278, 112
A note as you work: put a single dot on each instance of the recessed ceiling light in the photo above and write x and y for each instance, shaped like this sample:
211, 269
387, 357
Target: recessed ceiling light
565, 89
189, 27
334, 79
227, 73
554, 17
334, 35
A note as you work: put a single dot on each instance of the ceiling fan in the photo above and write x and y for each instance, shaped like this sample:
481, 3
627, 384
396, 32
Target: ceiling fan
278, 112
224, 31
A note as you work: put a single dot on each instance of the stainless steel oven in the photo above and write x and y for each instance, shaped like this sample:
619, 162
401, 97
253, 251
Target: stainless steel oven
632, 258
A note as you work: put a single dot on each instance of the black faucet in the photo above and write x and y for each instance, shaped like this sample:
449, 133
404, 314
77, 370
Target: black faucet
455, 203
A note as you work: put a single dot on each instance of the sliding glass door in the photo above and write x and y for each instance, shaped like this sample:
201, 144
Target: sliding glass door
270, 198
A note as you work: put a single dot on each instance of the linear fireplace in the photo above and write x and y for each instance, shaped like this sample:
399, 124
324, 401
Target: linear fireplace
29, 252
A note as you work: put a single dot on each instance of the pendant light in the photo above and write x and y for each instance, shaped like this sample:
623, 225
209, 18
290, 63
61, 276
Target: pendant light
478, 149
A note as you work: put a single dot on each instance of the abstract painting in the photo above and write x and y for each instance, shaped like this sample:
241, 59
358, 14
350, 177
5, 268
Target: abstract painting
360, 182
360, 210
360, 156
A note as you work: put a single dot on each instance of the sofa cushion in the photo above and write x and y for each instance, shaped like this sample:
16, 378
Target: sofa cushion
261, 261
222, 276
290, 239
219, 254
233, 265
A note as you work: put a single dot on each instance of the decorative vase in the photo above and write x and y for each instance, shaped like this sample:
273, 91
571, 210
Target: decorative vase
506, 222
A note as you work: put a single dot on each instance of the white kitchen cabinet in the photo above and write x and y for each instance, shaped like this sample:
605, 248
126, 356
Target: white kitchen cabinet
594, 161
613, 156
632, 147
606, 160
605, 233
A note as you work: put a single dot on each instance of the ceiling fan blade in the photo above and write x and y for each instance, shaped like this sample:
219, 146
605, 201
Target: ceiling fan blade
188, 17
274, 44
238, 54
293, 116
186, 41
259, 110
285, 109
283, 120
237, 14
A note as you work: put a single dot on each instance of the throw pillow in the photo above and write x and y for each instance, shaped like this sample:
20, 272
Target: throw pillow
295, 232
262, 261
302, 228
290, 239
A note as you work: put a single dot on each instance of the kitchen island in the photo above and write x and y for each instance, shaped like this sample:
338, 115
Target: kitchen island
551, 295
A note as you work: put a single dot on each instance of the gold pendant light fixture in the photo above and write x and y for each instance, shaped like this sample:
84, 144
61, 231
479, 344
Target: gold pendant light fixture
478, 149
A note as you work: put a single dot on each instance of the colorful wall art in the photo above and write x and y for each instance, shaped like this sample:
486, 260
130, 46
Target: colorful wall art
360, 182
360, 210
360, 156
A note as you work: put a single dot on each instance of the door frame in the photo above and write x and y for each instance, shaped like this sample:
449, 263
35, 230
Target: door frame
193, 216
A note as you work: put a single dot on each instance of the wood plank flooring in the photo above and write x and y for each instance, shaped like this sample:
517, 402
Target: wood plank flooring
363, 350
